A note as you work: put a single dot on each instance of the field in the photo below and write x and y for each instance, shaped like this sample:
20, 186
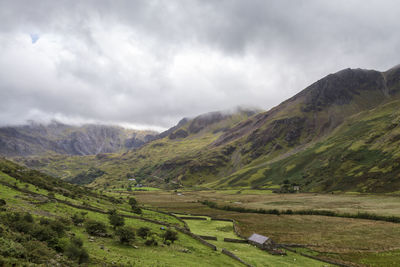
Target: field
352, 241
247, 252
343, 203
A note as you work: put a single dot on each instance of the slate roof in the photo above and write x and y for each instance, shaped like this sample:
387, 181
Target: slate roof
260, 239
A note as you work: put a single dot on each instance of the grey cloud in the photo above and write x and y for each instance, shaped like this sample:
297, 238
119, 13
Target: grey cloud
153, 62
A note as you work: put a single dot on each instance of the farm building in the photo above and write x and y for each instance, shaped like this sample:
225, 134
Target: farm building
261, 241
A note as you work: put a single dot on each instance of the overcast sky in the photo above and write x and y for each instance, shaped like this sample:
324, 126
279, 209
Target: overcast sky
150, 63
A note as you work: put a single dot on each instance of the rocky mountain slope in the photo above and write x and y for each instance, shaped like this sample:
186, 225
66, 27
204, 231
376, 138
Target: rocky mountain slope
187, 140
338, 134
58, 138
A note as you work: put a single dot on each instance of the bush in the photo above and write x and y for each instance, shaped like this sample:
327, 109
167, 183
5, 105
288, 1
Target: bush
151, 240
95, 228
115, 219
2, 202
22, 226
126, 234
170, 235
77, 241
28, 217
58, 226
137, 210
38, 252
44, 233
9, 248
132, 201
77, 219
44, 221
76, 252
143, 232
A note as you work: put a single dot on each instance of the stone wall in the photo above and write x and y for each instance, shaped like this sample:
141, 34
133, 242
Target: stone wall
233, 256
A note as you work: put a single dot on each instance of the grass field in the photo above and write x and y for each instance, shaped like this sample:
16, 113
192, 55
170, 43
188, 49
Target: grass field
357, 241
343, 203
248, 253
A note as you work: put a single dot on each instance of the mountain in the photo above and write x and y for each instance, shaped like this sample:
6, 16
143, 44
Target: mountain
305, 139
57, 138
338, 134
170, 151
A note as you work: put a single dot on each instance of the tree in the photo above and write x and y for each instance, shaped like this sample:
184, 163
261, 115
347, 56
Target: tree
137, 210
95, 228
126, 234
143, 232
132, 201
2, 202
134, 205
115, 219
75, 251
170, 235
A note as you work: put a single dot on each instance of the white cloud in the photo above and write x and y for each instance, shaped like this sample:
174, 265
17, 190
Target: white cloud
150, 63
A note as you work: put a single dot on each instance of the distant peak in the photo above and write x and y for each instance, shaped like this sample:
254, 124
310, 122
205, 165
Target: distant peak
395, 68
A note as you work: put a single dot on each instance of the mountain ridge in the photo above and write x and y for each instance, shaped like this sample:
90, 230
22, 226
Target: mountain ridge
58, 138
247, 150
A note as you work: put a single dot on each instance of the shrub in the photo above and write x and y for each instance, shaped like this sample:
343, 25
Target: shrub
22, 226
151, 240
95, 228
143, 232
115, 219
44, 221
76, 252
44, 233
77, 241
170, 235
137, 210
38, 252
28, 217
126, 234
9, 248
2, 202
58, 226
132, 201
77, 219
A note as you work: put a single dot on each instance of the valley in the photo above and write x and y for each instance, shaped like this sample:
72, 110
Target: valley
199, 133
318, 174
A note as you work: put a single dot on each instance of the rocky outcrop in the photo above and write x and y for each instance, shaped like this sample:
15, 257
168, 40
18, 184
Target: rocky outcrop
172, 129
341, 88
178, 134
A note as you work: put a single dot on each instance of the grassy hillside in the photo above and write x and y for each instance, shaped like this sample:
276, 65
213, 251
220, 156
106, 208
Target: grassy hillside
361, 155
47, 221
